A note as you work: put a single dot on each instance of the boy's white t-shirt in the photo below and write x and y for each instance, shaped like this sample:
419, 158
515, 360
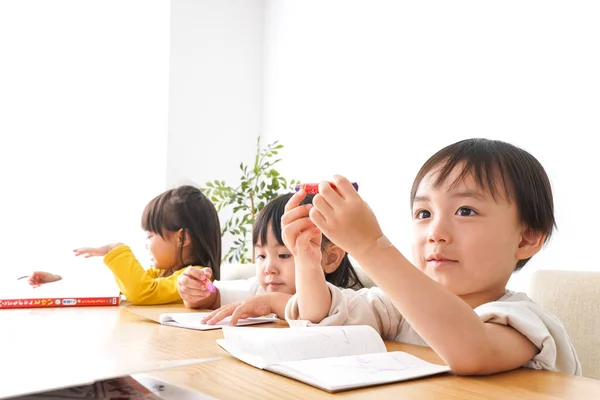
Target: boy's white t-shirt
372, 307
238, 290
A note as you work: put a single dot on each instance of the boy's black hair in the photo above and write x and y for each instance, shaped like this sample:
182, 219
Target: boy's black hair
524, 179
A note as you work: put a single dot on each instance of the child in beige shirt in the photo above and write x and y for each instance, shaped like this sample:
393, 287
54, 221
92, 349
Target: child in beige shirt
481, 209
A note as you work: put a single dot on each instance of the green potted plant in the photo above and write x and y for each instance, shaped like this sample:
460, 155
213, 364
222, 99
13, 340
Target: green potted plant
259, 184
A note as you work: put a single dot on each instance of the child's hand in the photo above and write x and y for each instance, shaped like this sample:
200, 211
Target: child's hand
345, 218
38, 278
193, 288
299, 233
95, 251
256, 306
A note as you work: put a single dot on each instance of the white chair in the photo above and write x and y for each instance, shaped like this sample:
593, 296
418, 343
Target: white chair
231, 272
574, 297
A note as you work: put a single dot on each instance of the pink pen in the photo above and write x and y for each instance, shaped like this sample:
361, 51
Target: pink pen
206, 280
313, 188
209, 285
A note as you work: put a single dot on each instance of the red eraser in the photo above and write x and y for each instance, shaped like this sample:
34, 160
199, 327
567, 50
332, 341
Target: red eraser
313, 188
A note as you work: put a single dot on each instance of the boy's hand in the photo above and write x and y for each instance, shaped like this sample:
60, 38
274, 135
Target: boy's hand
38, 278
192, 286
345, 218
95, 251
300, 235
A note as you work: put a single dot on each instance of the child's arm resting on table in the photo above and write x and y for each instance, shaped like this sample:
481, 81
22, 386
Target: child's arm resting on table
447, 323
257, 306
544, 330
349, 307
140, 286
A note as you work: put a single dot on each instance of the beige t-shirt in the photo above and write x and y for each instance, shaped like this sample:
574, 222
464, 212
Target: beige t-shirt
372, 307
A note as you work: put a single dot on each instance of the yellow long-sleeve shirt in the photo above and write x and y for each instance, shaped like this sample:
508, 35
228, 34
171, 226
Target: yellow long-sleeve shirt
141, 286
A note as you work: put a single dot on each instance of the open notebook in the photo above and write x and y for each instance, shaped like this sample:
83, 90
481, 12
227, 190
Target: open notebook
332, 358
192, 321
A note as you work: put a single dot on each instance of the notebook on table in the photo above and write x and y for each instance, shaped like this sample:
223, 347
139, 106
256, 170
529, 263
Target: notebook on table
192, 321
332, 358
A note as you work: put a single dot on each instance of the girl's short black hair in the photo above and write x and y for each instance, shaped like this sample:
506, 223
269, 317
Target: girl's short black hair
344, 276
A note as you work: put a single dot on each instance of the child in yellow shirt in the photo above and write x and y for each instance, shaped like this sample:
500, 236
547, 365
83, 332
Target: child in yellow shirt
183, 230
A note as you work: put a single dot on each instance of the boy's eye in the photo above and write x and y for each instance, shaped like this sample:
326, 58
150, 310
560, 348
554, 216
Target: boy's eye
285, 256
260, 257
466, 212
422, 214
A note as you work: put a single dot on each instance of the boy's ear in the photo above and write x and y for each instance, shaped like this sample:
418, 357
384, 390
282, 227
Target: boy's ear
183, 236
332, 257
531, 242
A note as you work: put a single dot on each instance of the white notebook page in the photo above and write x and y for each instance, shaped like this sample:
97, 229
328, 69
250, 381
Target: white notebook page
292, 344
192, 320
359, 370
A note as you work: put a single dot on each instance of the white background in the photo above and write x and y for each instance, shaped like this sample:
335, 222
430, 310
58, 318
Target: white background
83, 126
371, 89
105, 104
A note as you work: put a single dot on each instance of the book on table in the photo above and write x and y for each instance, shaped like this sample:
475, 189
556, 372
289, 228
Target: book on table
63, 293
332, 358
192, 320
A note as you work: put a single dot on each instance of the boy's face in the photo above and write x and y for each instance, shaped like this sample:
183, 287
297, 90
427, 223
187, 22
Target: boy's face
464, 238
275, 267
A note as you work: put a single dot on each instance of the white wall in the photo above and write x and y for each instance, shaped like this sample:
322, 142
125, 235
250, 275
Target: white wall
83, 121
216, 90
371, 89
215, 98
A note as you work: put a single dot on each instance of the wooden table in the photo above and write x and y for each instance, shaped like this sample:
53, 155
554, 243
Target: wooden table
58, 341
